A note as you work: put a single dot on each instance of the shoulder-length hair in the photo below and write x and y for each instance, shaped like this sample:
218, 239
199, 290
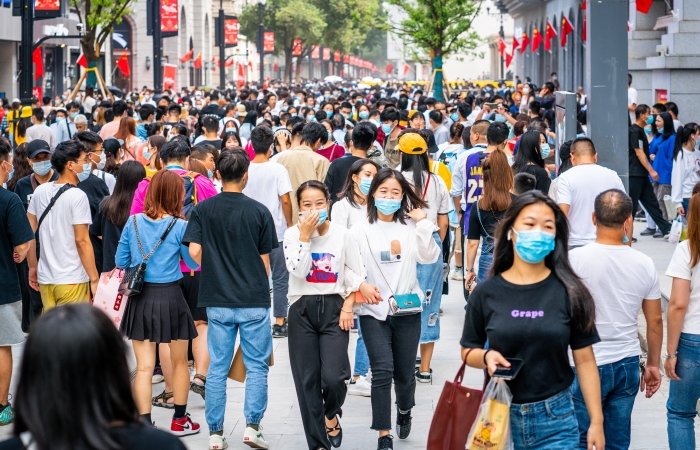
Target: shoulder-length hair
498, 182
348, 191
694, 226
409, 200
64, 402
528, 151
116, 207
166, 195
580, 299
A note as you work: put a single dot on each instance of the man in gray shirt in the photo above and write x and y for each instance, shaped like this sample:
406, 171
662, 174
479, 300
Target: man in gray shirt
39, 129
441, 133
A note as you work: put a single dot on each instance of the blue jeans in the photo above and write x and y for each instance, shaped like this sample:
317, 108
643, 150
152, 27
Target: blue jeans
485, 260
430, 278
256, 344
361, 358
619, 385
549, 424
683, 394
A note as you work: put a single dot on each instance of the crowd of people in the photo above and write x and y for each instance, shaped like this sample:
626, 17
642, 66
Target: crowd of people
307, 212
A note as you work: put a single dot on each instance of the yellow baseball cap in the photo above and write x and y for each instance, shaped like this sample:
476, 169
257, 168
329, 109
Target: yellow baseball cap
412, 144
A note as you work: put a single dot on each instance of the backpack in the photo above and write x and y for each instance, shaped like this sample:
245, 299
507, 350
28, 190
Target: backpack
190, 192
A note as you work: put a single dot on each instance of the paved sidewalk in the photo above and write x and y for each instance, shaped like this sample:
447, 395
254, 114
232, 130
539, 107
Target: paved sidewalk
282, 423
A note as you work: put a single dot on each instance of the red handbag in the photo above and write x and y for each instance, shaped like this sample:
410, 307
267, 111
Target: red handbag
454, 414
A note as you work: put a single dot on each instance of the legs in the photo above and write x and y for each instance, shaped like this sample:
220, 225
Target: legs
256, 344
683, 395
406, 333
361, 358
199, 348
181, 375
655, 208
221, 339
145, 352
280, 281
378, 337
5, 374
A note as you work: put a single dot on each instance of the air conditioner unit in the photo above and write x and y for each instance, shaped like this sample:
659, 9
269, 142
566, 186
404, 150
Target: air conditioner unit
662, 50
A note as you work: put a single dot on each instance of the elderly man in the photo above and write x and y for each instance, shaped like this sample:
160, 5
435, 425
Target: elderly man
81, 123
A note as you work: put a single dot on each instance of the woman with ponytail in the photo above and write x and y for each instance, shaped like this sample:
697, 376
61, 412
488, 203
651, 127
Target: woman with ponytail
686, 166
661, 153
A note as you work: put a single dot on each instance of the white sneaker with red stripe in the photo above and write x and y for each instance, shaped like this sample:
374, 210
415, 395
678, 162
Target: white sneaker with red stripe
254, 438
184, 426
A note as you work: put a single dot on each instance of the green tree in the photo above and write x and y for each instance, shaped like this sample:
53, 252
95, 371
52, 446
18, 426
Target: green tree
99, 17
439, 28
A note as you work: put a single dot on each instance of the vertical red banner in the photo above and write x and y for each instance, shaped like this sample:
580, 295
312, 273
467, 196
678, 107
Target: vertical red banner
296, 47
169, 76
169, 17
315, 52
326, 54
269, 42
336, 56
231, 31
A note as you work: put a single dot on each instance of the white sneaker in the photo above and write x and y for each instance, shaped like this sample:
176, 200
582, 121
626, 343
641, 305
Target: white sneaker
217, 442
360, 387
254, 438
457, 274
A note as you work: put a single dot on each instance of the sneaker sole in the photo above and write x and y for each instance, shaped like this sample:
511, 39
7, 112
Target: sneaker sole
360, 393
185, 433
253, 444
219, 447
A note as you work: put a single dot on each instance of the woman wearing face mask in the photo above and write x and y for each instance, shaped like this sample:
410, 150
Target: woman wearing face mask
528, 92
661, 150
230, 140
325, 269
686, 166
396, 237
151, 154
535, 308
332, 150
532, 151
362, 112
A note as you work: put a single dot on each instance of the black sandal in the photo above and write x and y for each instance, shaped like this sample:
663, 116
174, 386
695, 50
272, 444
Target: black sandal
338, 438
199, 388
161, 400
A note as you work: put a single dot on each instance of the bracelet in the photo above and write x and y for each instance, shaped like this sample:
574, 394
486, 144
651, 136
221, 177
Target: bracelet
486, 353
671, 356
346, 312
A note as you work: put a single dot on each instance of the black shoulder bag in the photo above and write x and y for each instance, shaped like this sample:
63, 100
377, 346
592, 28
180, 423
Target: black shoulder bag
60, 192
132, 283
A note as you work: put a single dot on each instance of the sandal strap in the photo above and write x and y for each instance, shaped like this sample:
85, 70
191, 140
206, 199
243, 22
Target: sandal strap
164, 396
202, 378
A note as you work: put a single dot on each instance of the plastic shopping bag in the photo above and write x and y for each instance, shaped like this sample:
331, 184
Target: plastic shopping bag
491, 430
684, 231
108, 299
674, 236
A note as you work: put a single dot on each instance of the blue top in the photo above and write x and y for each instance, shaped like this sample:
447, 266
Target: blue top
663, 162
164, 265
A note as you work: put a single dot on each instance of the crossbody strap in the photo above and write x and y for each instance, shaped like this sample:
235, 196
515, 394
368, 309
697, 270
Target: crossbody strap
478, 213
425, 188
369, 247
60, 192
146, 257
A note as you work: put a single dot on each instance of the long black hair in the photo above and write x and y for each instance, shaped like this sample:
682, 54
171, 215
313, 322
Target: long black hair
528, 152
409, 200
116, 206
417, 164
74, 381
349, 187
580, 299
668, 129
682, 136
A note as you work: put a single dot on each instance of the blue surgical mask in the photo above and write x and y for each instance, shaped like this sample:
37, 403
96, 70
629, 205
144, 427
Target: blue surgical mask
650, 120
210, 173
545, 149
311, 118
454, 117
41, 168
322, 216
387, 206
147, 154
330, 136
364, 115
386, 128
499, 118
533, 246
329, 114
364, 185
103, 161
82, 176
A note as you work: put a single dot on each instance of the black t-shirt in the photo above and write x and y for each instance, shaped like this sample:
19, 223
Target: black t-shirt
25, 189
531, 322
484, 228
14, 230
542, 177
233, 230
101, 226
216, 143
637, 136
131, 437
338, 173
96, 190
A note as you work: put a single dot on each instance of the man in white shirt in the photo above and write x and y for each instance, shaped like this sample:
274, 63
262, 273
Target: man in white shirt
39, 129
578, 187
269, 184
66, 271
622, 281
631, 98
63, 129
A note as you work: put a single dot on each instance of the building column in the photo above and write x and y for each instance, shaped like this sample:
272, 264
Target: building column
606, 83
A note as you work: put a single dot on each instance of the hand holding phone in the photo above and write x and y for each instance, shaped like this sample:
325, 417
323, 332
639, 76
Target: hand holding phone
508, 373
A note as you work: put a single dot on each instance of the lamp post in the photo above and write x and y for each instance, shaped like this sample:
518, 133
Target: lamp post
501, 34
222, 46
157, 47
261, 39
26, 78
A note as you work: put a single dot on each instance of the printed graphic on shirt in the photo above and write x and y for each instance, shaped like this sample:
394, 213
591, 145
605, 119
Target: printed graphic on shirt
393, 254
323, 268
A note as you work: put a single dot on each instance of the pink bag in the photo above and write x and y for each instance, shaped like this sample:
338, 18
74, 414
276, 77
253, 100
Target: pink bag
108, 299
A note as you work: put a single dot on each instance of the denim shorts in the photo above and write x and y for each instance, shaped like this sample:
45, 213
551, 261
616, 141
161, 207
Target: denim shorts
549, 424
430, 279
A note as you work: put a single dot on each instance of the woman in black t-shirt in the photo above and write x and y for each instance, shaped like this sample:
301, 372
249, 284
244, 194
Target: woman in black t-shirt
76, 359
532, 152
535, 308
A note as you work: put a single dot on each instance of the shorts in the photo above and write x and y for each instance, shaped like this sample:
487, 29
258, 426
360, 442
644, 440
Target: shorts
53, 295
11, 320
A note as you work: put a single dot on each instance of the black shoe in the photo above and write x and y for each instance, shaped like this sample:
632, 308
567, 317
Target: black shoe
279, 331
403, 424
385, 442
634, 240
658, 234
338, 438
424, 377
648, 232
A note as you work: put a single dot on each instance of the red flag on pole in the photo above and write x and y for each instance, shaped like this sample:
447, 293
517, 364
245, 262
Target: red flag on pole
187, 56
643, 6
501, 47
509, 59
389, 68
536, 40
82, 60
198, 61
123, 65
566, 29
38, 60
549, 33
516, 44
406, 69
524, 42
229, 62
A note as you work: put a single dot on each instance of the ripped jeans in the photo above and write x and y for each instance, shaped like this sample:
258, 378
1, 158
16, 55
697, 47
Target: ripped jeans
430, 278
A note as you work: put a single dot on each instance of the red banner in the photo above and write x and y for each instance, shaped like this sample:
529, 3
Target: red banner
269, 42
169, 75
346, 59
315, 52
231, 31
336, 56
47, 5
296, 47
326, 54
169, 16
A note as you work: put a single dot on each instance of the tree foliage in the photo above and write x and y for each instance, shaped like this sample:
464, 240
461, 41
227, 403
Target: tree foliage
99, 17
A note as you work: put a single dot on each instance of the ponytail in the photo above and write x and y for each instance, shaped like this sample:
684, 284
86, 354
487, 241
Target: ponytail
683, 134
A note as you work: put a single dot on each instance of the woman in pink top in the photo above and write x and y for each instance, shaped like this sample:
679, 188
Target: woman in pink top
132, 144
333, 150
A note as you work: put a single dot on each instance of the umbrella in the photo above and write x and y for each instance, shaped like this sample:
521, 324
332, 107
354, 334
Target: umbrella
368, 79
116, 91
333, 79
363, 86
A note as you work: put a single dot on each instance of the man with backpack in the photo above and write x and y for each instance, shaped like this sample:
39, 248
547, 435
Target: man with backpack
176, 158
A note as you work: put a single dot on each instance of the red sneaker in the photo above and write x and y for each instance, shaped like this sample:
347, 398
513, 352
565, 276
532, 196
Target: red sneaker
184, 426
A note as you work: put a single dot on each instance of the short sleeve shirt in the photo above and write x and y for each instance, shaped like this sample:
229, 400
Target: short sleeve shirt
14, 230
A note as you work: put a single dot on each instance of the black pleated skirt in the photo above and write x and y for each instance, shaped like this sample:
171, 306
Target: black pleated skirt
159, 314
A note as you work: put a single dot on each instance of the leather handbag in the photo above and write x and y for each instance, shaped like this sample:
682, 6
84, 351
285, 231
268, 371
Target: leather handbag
455, 414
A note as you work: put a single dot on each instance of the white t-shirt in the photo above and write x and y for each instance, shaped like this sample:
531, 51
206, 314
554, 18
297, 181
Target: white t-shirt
632, 100
578, 187
346, 215
108, 178
266, 183
59, 262
679, 267
684, 175
619, 279
436, 195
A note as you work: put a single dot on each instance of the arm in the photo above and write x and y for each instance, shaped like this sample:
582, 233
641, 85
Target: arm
589, 381
645, 162
443, 223
427, 250
677, 176
87, 257
31, 255
677, 308
187, 257
266, 262
297, 252
472, 248
286, 203
21, 251
565, 208
655, 331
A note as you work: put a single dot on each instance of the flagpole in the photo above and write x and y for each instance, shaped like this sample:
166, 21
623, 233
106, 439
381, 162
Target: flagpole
157, 50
